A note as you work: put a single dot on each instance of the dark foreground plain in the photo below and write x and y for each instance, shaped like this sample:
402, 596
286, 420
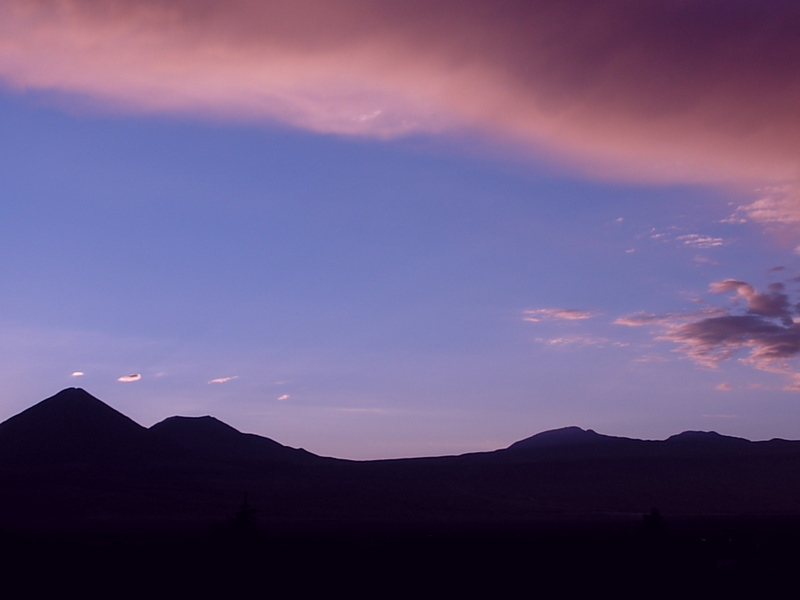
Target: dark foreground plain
92, 499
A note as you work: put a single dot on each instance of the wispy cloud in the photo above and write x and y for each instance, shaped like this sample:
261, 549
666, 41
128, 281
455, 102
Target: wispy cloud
641, 319
672, 235
284, 397
794, 386
556, 314
607, 86
650, 358
696, 240
77, 374
580, 340
705, 260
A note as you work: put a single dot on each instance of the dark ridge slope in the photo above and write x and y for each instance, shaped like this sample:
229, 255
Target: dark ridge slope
208, 437
703, 442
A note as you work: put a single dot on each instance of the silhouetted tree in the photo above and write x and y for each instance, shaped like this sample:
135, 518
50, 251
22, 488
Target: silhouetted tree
244, 524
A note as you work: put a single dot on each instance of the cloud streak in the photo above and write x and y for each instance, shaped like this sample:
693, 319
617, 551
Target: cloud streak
571, 341
660, 90
641, 319
556, 314
696, 240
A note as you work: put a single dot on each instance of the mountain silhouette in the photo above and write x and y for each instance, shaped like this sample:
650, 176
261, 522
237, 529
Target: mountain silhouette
706, 439
73, 462
565, 436
73, 424
87, 490
574, 442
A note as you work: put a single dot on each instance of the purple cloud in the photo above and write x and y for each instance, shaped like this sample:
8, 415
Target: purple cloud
774, 303
765, 328
712, 340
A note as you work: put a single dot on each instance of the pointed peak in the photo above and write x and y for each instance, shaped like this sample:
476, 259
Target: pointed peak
72, 403
72, 394
70, 420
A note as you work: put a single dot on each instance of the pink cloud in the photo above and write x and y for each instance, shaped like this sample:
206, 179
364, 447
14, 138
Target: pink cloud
776, 205
658, 90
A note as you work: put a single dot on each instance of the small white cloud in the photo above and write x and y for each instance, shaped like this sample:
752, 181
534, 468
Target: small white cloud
284, 397
129, 378
224, 379
77, 374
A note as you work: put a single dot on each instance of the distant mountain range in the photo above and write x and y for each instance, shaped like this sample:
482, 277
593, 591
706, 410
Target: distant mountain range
72, 463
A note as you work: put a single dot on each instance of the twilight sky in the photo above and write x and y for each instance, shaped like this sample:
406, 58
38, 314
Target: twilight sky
379, 229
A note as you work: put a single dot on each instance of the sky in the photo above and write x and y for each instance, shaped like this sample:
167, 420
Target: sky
379, 229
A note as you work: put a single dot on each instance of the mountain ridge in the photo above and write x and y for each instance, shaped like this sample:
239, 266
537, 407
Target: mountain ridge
102, 471
73, 418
